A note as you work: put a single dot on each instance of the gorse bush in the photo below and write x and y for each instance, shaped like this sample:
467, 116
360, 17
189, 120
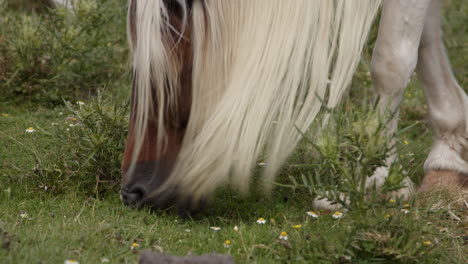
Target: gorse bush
87, 148
63, 53
344, 153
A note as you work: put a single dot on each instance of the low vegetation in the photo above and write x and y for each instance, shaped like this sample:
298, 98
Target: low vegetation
63, 126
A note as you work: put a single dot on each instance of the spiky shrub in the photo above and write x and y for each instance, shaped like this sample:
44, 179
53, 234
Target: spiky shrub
63, 53
343, 153
87, 148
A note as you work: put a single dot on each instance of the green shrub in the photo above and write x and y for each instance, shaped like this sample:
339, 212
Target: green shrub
86, 149
62, 53
344, 153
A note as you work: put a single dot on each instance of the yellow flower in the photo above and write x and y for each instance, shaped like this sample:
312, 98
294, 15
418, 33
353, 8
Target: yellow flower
405, 142
427, 242
406, 205
297, 226
261, 221
227, 244
215, 228
387, 216
24, 215
337, 215
80, 102
283, 236
5, 114
134, 246
391, 201
30, 130
313, 214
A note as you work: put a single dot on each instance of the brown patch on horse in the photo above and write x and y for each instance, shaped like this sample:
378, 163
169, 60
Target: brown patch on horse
447, 179
177, 118
152, 168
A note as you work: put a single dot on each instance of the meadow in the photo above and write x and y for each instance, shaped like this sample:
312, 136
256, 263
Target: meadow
65, 86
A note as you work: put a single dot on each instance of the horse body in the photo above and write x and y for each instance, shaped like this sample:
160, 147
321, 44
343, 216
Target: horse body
217, 83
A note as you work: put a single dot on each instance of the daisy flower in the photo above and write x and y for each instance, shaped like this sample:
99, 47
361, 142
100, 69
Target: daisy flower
313, 214
71, 261
236, 228
297, 226
283, 236
227, 244
215, 228
80, 102
405, 210
262, 164
105, 260
134, 246
337, 215
261, 221
30, 130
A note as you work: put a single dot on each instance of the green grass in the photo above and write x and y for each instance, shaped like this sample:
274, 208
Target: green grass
70, 220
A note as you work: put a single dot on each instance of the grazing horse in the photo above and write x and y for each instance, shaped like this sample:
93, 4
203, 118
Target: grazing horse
219, 83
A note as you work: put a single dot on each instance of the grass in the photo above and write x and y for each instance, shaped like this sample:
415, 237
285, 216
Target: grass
68, 220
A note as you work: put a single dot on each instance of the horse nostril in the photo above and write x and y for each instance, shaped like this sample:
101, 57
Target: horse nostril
132, 196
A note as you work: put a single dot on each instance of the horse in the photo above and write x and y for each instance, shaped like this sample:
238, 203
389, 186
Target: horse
216, 84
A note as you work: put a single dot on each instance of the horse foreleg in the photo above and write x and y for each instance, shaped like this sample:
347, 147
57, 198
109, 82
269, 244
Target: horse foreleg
447, 163
393, 62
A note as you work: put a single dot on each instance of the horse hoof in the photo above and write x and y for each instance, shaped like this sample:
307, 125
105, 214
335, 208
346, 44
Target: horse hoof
445, 179
325, 204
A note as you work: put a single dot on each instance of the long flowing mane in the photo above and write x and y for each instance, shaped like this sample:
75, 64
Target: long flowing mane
261, 70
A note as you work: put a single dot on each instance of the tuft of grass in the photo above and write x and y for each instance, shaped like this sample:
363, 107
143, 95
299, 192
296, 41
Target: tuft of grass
341, 154
86, 148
